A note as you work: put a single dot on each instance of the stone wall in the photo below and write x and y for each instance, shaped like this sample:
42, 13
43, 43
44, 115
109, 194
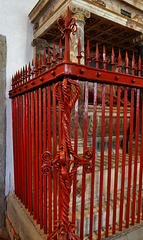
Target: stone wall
2, 126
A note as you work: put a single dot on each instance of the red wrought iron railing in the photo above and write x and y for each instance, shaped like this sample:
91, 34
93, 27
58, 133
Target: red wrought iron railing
78, 155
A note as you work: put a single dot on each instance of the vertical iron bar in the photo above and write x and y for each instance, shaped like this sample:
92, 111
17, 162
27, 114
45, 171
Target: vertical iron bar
27, 149
33, 154
123, 159
24, 129
30, 157
101, 161
37, 158
75, 150
22, 150
60, 138
14, 142
49, 149
19, 146
93, 161
44, 149
130, 157
83, 172
141, 166
17, 149
40, 153
109, 160
136, 156
116, 157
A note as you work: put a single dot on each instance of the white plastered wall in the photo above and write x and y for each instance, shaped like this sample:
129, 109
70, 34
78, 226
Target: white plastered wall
15, 25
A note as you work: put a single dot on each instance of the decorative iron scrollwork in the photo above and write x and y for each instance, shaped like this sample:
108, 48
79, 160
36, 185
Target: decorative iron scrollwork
66, 166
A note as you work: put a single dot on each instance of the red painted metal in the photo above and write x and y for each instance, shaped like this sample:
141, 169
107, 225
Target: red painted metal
93, 159
22, 149
136, 156
60, 138
84, 146
33, 154
37, 156
116, 159
44, 149
24, 137
30, 156
40, 153
84, 149
109, 160
49, 149
41, 107
14, 142
75, 175
141, 168
130, 157
101, 162
123, 159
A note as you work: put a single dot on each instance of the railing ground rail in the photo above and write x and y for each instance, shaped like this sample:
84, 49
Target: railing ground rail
74, 191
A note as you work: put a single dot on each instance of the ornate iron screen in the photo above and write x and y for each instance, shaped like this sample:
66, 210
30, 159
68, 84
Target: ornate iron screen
78, 160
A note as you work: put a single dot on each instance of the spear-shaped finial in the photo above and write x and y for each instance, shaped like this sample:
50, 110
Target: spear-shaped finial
54, 55
119, 62
88, 58
60, 51
97, 56
126, 63
79, 56
104, 57
23, 74
26, 72
68, 17
44, 61
32, 68
66, 26
48, 59
133, 64
35, 68
29, 70
39, 65
139, 66
112, 59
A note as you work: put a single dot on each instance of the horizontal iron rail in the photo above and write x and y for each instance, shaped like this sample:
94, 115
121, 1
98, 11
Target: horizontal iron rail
77, 71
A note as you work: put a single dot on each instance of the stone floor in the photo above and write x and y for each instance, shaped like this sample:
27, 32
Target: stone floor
4, 234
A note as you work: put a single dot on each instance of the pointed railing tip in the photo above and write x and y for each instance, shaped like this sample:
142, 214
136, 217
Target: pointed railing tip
97, 47
133, 56
139, 59
79, 47
60, 51
44, 53
87, 45
126, 56
113, 53
44, 61
104, 50
39, 59
67, 17
119, 56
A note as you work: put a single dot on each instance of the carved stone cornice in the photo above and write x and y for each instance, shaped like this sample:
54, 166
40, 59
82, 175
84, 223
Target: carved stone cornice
79, 13
39, 42
138, 40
